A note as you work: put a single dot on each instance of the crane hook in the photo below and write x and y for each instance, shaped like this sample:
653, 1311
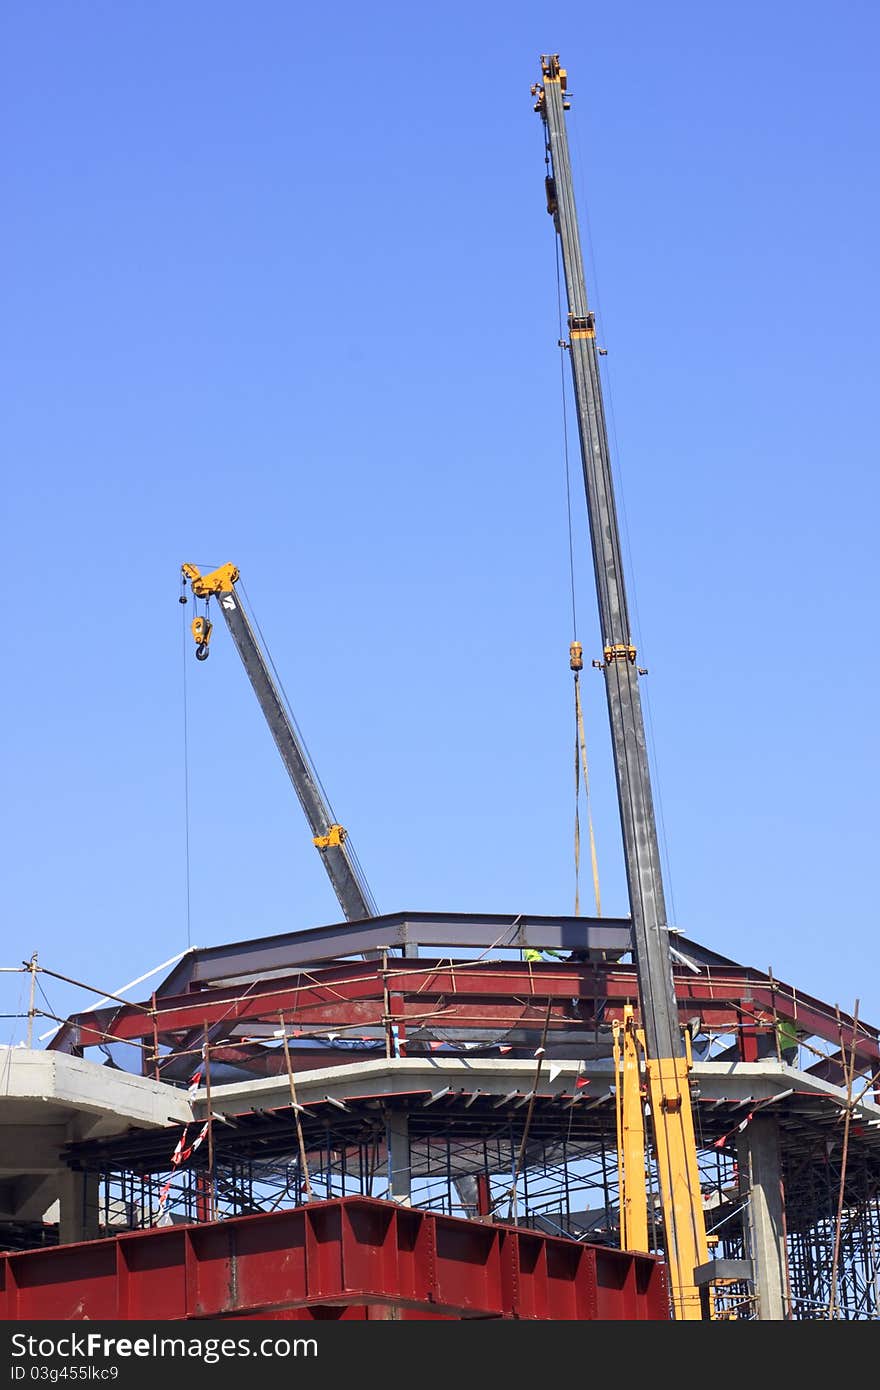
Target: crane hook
201, 631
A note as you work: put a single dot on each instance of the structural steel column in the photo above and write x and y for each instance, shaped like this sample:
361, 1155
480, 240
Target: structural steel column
760, 1169
397, 1140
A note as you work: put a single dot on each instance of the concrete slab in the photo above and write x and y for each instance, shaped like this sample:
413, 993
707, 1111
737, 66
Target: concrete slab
47, 1100
52, 1087
396, 1076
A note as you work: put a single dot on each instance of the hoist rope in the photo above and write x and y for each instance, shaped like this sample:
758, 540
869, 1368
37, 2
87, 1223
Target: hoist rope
580, 760
185, 649
565, 445
580, 741
288, 708
616, 462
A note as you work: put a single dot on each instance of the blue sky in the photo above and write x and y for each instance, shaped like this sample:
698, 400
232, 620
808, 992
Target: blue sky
280, 288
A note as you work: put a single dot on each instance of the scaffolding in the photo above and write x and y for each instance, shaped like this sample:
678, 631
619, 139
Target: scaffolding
463, 1160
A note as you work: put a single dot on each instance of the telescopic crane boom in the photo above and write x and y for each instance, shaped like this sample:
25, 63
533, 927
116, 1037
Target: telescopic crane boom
666, 1062
330, 838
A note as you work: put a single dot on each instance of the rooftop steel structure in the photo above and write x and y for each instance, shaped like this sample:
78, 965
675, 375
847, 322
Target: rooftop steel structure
416, 1080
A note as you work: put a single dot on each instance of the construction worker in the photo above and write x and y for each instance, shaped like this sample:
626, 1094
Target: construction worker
788, 1039
534, 953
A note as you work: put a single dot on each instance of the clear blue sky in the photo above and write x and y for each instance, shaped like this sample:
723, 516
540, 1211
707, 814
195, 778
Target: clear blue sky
279, 288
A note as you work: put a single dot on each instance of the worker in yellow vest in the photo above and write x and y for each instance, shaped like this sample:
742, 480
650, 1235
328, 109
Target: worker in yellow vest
534, 953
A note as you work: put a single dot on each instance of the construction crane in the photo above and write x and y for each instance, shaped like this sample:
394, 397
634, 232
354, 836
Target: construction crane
329, 837
666, 1060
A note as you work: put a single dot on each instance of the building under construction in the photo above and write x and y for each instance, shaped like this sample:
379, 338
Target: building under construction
427, 1115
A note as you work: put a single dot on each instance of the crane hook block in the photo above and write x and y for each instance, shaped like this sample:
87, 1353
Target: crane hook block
335, 836
576, 656
201, 631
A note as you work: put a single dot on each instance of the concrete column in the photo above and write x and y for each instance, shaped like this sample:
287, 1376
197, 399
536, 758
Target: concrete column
78, 1198
761, 1175
397, 1140
468, 1193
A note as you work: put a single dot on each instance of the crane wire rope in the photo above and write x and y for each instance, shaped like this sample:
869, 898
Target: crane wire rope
348, 847
287, 705
615, 461
580, 742
184, 649
46, 998
19, 1014
565, 454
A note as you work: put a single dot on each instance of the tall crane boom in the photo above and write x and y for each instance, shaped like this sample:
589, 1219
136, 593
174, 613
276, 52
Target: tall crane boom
664, 1046
329, 838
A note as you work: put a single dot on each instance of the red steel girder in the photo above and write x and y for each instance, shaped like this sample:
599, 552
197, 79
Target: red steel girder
340, 1254
497, 994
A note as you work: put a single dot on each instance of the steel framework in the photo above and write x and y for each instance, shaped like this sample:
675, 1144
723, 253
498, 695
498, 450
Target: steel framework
442, 1049
463, 1160
334, 1003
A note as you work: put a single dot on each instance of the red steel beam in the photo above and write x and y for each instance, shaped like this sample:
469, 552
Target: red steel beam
497, 994
331, 1258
